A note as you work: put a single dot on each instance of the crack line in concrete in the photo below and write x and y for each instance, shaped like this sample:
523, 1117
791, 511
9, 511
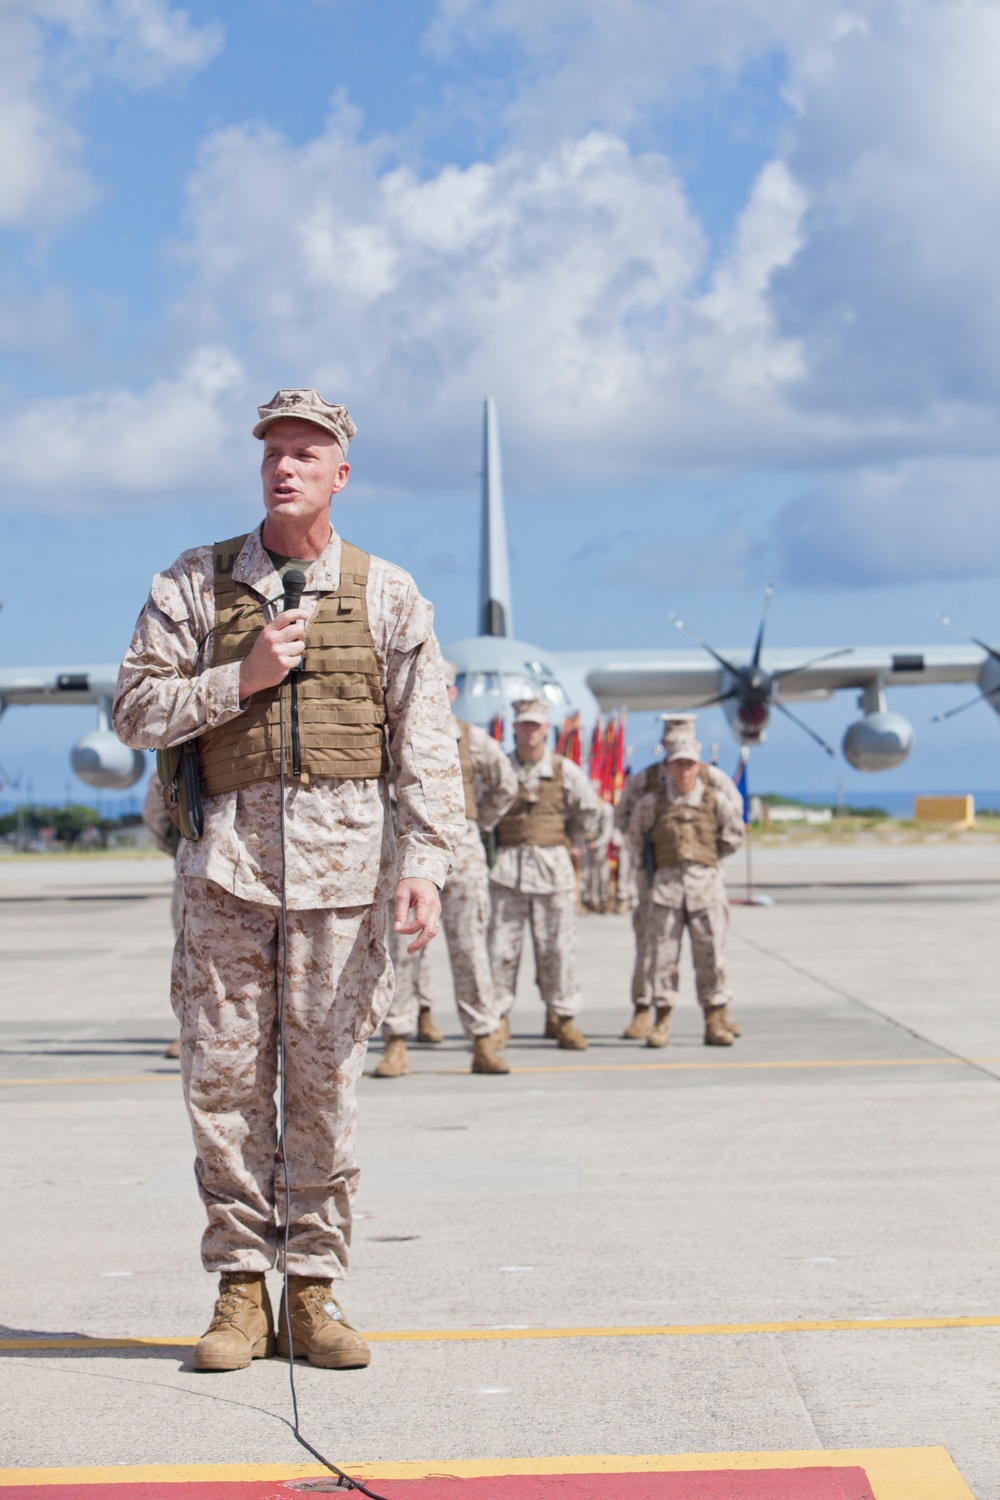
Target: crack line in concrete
883, 1015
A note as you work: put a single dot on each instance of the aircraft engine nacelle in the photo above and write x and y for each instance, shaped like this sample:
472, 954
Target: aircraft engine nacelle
989, 683
878, 741
748, 720
101, 760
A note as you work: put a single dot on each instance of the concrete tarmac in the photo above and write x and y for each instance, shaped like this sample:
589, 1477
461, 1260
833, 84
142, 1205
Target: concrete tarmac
838, 1165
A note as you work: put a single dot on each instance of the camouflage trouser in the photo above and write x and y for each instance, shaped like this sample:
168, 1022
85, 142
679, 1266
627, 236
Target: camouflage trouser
412, 989
553, 934
595, 878
465, 914
708, 949
177, 905
642, 927
225, 995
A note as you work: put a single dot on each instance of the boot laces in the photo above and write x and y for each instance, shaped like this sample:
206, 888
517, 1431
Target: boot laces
231, 1301
320, 1298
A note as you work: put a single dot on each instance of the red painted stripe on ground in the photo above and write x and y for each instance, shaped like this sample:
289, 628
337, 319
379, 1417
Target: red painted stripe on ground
718, 1484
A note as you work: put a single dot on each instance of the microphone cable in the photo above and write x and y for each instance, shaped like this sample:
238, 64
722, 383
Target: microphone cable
344, 1481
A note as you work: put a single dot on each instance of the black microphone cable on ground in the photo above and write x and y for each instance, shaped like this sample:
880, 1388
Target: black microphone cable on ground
294, 584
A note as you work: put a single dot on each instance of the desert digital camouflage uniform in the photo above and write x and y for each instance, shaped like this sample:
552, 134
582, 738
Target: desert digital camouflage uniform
342, 862
411, 990
691, 895
595, 867
165, 836
636, 884
537, 884
161, 830
465, 905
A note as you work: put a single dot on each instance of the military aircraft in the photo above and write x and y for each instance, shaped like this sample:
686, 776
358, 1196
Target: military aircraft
99, 758
495, 669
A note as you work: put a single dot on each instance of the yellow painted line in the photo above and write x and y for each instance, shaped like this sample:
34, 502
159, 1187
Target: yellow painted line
489, 1335
724, 1067
651, 1067
643, 1067
893, 1473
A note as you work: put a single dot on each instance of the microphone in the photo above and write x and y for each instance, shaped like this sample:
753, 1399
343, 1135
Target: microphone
295, 582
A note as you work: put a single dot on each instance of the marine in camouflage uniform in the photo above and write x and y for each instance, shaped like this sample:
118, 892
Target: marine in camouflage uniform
164, 834
490, 785
208, 663
412, 995
533, 879
595, 866
636, 888
692, 815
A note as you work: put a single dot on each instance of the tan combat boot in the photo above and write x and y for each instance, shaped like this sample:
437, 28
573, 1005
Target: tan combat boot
242, 1327
503, 1030
551, 1032
427, 1028
729, 1023
486, 1054
320, 1332
639, 1026
717, 1033
659, 1034
174, 1050
569, 1036
395, 1062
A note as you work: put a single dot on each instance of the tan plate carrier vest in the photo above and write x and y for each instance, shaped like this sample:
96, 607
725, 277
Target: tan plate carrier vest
683, 833
468, 772
542, 821
341, 706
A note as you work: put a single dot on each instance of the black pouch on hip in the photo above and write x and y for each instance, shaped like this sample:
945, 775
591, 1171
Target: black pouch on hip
179, 770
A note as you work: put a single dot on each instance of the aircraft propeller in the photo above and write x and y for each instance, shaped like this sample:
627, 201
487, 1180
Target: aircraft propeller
982, 697
753, 689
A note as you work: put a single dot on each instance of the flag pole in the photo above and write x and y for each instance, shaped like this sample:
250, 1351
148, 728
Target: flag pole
745, 787
751, 898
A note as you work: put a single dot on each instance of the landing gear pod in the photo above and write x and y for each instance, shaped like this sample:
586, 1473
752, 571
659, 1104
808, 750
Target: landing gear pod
878, 742
101, 760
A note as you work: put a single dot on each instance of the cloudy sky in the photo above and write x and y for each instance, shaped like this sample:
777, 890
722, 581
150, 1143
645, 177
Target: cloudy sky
728, 267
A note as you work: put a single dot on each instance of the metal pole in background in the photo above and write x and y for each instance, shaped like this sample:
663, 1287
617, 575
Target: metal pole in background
751, 898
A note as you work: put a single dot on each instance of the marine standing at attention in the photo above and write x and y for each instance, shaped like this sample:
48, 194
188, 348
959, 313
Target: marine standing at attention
533, 878
207, 664
690, 819
490, 787
637, 888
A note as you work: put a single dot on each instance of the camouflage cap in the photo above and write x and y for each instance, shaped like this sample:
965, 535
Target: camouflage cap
450, 672
307, 406
682, 747
531, 711
675, 724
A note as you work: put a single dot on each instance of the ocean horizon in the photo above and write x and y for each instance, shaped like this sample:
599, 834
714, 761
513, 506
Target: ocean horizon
897, 804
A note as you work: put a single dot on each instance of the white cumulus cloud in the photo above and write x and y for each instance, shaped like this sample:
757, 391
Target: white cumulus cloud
51, 51
88, 452
847, 324
918, 519
572, 282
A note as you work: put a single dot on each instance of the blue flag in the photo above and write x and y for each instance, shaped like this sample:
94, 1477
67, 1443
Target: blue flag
740, 780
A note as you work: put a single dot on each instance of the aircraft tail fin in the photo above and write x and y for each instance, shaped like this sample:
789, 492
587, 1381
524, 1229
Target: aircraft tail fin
495, 616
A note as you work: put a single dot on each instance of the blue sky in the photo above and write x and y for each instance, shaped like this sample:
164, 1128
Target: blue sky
727, 268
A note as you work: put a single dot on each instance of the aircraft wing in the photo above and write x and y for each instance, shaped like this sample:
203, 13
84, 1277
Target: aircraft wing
667, 680
66, 685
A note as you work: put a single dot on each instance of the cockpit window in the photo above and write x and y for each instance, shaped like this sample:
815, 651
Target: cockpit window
518, 685
479, 684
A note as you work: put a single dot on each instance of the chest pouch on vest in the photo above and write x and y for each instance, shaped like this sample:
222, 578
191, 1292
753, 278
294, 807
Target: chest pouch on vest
179, 770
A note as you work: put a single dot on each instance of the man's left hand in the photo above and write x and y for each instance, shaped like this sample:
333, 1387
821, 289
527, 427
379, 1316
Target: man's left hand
418, 909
